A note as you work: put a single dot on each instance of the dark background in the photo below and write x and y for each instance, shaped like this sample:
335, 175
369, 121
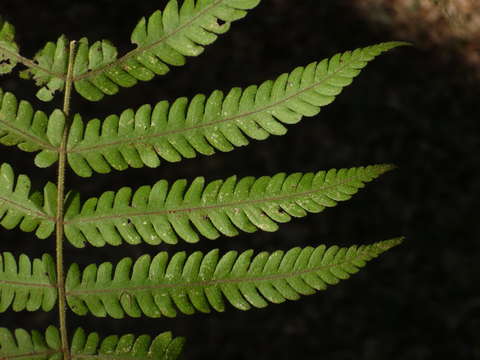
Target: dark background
418, 301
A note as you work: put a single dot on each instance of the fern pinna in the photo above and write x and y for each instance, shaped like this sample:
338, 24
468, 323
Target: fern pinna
165, 284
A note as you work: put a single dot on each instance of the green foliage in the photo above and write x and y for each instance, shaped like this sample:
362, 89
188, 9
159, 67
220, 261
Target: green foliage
27, 285
159, 286
20, 207
38, 346
215, 122
162, 347
7, 42
33, 345
162, 41
30, 130
165, 284
160, 213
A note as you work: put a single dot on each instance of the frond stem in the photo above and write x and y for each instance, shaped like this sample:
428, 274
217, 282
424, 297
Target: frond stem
59, 235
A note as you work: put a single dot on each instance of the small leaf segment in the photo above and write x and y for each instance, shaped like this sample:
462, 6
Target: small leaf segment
22, 344
160, 286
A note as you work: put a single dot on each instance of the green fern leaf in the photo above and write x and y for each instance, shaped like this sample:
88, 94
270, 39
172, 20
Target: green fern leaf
20, 207
159, 213
8, 47
49, 68
30, 130
164, 40
162, 347
27, 285
203, 125
163, 286
34, 345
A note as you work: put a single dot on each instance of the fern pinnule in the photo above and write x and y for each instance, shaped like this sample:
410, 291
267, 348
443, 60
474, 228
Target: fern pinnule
160, 286
163, 213
205, 124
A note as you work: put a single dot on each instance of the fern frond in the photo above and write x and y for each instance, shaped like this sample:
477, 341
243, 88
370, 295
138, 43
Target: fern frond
217, 122
164, 40
30, 130
20, 207
22, 344
8, 47
198, 282
27, 285
162, 347
161, 213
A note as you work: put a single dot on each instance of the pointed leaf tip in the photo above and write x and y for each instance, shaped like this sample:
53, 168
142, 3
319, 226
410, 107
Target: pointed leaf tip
391, 243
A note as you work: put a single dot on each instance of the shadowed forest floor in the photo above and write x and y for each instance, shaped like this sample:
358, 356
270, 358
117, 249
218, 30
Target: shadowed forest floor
408, 108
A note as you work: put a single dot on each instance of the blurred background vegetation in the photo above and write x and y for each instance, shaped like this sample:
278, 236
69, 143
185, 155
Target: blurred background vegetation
415, 107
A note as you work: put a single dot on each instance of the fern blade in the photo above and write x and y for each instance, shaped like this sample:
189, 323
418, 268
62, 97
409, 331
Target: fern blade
200, 282
31, 211
22, 344
159, 213
26, 284
218, 122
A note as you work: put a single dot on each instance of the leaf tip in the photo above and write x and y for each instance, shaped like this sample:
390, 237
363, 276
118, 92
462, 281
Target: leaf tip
391, 243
